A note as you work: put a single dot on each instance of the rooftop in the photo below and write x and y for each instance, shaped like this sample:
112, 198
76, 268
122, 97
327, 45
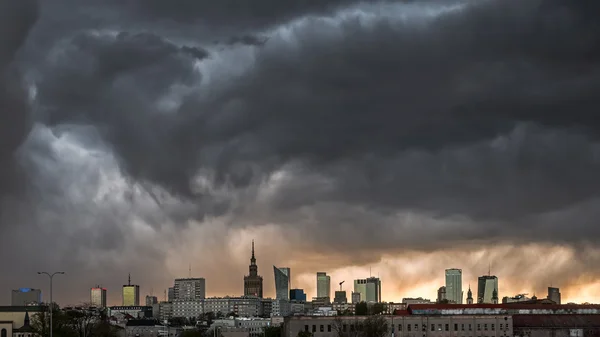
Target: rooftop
556, 321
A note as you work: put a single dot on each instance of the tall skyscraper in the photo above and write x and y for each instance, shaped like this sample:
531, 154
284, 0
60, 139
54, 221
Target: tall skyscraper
189, 289
253, 283
369, 289
131, 294
487, 289
454, 293
554, 294
26, 296
282, 283
323, 285
98, 297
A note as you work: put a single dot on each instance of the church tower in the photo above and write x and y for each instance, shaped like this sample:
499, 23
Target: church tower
469, 296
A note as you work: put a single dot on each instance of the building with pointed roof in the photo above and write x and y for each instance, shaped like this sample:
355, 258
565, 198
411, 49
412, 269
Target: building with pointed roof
253, 283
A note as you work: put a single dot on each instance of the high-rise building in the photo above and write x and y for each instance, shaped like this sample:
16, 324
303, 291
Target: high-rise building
189, 289
355, 297
131, 294
369, 289
454, 293
323, 285
282, 283
340, 297
487, 289
253, 283
297, 295
171, 294
151, 300
554, 294
26, 296
98, 297
441, 297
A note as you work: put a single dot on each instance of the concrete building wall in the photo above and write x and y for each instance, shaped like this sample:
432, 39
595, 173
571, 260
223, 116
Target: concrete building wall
408, 326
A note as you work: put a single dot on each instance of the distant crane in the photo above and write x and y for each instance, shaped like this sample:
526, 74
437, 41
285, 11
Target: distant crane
341, 285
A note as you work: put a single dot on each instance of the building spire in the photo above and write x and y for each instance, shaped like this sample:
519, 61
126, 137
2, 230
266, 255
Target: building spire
129, 280
253, 249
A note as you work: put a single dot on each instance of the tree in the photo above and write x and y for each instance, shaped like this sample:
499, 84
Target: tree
377, 308
375, 326
346, 327
361, 309
79, 322
303, 333
272, 331
192, 333
178, 321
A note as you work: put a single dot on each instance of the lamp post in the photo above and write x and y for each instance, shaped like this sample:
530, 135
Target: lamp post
51, 276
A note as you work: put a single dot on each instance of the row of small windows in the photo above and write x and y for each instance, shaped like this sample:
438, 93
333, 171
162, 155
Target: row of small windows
492, 327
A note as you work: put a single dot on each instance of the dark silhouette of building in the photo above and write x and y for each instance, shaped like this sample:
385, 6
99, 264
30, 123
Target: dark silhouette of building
554, 294
253, 283
469, 296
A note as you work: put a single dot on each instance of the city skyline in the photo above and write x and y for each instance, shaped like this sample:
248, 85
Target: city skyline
343, 135
429, 294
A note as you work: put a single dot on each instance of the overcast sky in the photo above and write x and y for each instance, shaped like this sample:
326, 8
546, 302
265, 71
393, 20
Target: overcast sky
397, 137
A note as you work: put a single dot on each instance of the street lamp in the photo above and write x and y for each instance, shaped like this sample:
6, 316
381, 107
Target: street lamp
51, 276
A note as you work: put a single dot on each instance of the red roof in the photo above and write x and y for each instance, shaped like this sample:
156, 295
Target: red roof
502, 306
401, 313
556, 321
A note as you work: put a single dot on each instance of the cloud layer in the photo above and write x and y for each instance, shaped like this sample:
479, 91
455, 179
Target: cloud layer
150, 136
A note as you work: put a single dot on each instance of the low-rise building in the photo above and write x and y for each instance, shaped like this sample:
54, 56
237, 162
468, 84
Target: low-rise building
571, 325
405, 326
418, 300
15, 320
188, 308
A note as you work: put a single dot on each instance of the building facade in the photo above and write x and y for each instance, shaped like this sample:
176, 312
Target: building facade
282, 283
131, 294
418, 300
297, 295
189, 289
253, 283
487, 289
340, 297
151, 300
369, 289
404, 326
356, 297
323, 285
454, 293
188, 308
98, 297
26, 296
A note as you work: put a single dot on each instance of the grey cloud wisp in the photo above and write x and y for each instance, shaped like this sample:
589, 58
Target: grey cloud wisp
411, 123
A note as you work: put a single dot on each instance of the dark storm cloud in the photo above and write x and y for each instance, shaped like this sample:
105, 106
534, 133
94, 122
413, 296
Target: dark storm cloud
381, 126
234, 12
16, 19
397, 114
